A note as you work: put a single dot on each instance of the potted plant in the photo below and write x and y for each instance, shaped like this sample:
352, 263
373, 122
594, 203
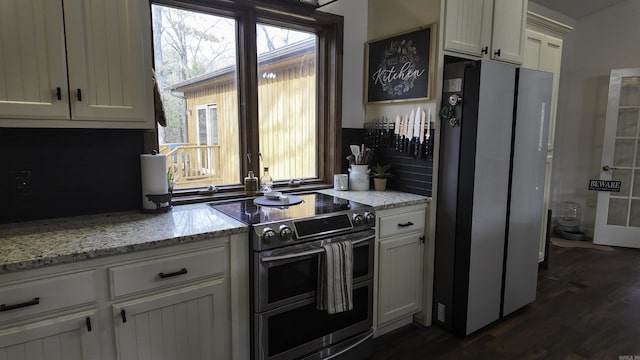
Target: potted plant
170, 180
380, 175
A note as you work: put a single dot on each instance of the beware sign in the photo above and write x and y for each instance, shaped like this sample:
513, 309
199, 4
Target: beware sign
605, 185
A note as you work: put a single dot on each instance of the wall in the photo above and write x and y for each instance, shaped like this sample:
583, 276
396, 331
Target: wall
355, 14
387, 18
367, 20
598, 43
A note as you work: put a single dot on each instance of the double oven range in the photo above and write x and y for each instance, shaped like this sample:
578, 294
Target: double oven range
286, 245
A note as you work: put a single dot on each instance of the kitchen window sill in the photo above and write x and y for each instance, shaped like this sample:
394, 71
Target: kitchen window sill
184, 197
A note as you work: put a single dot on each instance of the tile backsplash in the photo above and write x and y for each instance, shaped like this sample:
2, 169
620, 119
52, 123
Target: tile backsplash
72, 172
86, 171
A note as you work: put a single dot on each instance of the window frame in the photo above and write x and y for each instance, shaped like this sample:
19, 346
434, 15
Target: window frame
329, 30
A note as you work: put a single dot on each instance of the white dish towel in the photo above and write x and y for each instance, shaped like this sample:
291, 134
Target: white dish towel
335, 283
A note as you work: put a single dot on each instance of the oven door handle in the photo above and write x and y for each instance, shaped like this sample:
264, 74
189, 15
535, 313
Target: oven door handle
369, 335
307, 252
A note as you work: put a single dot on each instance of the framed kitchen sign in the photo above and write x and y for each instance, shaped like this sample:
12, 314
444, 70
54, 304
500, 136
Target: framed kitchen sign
401, 67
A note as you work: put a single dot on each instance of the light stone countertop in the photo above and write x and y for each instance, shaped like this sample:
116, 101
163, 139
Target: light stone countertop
380, 200
31, 244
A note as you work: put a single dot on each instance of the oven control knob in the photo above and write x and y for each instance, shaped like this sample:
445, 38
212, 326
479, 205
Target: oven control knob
370, 219
268, 235
358, 220
285, 233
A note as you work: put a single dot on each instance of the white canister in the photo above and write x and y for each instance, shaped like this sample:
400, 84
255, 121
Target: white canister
341, 182
359, 177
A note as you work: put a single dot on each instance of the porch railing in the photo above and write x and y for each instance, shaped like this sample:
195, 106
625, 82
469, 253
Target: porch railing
193, 163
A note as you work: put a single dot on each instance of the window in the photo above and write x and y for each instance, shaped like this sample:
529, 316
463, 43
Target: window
246, 87
286, 102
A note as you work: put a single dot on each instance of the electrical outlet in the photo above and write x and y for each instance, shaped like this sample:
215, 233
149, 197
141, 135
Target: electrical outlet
440, 312
21, 180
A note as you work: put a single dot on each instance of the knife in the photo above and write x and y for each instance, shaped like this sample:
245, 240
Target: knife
396, 133
409, 132
427, 139
415, 140
422, 141
403, 125
384, 131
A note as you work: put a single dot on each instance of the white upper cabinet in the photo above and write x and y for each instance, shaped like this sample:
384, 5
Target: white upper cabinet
109, 56
468, 26
92, 69
486, 28
509, 25
32, 60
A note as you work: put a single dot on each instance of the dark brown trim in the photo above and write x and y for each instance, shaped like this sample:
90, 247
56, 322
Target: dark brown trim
248, 96
329, 29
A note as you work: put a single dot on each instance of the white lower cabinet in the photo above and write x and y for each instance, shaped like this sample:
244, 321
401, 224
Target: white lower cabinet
399, 271
400, 279
66, 337
186, 323
174, 302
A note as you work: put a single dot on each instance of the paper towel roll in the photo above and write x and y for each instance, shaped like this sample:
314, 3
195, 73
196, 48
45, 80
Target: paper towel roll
154, 177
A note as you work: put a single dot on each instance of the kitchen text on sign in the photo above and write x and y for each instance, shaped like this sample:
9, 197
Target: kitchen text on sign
605, 185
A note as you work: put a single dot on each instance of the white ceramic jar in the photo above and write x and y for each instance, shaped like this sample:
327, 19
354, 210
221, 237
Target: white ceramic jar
359, 177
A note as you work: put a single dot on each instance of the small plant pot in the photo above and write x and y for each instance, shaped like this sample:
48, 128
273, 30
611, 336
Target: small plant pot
380, 184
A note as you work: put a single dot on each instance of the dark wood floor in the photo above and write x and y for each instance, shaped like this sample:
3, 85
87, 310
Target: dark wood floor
587, 307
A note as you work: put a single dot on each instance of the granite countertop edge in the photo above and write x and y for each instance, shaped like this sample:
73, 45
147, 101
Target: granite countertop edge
110, 251
34, 244
380, 200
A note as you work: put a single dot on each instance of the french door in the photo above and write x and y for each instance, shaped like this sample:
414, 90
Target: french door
618, 213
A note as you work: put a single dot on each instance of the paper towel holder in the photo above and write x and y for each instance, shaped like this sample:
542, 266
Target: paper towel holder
159, 199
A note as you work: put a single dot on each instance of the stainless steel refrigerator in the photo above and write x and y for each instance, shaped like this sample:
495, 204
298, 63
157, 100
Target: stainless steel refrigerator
493, 147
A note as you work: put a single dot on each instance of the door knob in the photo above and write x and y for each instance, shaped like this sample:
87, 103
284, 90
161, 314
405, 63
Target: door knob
607, 168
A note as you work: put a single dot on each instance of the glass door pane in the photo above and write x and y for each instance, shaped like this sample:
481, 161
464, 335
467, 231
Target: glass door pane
287, 109
624, 206
630, 91
196, 68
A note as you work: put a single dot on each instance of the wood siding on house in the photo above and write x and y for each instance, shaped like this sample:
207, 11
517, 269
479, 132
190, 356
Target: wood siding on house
287, 117
224, 95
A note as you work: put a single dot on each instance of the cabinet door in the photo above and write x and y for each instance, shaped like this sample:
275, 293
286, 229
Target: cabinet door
544, 52
32, 60
468, 26
400, 277
190, 323
509, 20
108, 51
66, 337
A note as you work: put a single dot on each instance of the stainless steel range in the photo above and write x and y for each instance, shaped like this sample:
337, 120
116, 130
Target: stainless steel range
287, 243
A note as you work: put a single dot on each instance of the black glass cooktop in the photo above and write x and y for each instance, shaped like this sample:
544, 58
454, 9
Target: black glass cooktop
313, 204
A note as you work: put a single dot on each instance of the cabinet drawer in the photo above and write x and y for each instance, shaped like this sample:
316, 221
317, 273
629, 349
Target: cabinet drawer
47, 294
402, 223
168, 271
